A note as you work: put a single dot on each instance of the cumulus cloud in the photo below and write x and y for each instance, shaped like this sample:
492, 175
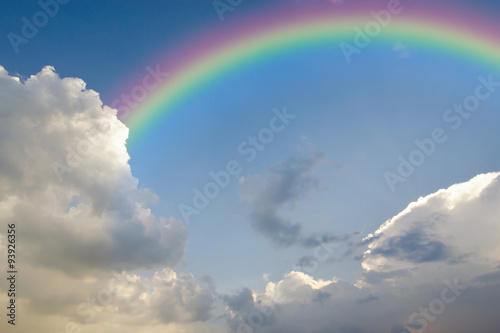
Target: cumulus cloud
244, 311
299, 303
66, 183
65, 176
432, 267
167, 297
415, 245
447, 230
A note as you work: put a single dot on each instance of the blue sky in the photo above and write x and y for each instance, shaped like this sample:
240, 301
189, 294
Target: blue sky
364, 137
321, 181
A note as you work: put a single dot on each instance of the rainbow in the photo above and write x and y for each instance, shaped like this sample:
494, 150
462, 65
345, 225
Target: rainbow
259, 37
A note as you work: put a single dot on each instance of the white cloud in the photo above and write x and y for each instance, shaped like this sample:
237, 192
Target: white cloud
167, 297
77, 226
453, 231
75, 232
96, 216
448, 237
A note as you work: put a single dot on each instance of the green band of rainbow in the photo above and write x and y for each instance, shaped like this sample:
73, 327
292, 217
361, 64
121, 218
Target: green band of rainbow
468, 38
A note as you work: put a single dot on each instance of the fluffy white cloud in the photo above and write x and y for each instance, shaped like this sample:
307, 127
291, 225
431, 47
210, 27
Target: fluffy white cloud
66, 180
433, 267
167, 297
453, 231
66, 183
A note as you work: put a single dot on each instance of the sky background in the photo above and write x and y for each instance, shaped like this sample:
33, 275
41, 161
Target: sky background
295, 242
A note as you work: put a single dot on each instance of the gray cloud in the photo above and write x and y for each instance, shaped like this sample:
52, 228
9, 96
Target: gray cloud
321, 296
280, 231
368, 299
283, 185
316, 239
348, 329
488, 278
407, 263
415, 245
399, 329
240, 302
375, 277
242, 309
